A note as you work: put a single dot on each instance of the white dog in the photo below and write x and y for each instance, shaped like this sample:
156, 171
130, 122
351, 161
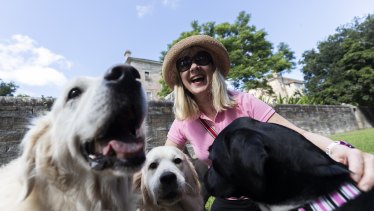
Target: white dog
168, 181
83, 153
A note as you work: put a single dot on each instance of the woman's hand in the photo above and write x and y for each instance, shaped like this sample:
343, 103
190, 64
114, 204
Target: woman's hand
361, 165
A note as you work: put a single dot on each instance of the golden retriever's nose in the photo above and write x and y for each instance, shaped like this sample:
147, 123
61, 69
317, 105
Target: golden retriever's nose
168, 178
121, 73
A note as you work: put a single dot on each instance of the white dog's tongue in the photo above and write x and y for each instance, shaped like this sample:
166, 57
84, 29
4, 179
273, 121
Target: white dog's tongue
122, 149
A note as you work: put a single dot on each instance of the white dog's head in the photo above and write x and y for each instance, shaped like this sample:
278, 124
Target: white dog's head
97, 123
168, 177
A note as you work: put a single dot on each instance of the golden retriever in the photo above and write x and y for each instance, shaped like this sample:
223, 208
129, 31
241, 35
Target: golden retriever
83, 153
168, 181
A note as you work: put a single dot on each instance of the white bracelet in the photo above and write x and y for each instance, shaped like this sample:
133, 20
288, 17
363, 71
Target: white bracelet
330, 146
341, 142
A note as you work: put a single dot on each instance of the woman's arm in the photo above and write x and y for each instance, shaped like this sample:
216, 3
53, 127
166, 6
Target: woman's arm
171, 143
318, 140
360, 163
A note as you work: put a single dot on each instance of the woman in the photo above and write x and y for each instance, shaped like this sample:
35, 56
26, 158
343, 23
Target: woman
196, 68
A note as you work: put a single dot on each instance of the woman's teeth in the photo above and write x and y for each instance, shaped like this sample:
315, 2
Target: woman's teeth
197, 79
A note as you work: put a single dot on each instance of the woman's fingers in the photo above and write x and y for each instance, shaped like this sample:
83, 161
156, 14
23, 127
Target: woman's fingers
367, 180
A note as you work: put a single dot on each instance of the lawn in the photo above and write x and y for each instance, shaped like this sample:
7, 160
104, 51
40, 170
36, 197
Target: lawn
361, 139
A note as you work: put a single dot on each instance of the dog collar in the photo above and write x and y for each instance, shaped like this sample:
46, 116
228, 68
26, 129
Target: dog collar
333, 200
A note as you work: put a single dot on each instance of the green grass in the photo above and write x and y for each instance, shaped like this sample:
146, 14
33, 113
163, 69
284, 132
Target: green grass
361, 139
209, 203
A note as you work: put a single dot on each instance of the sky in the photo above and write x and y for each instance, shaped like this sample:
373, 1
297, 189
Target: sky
45, 43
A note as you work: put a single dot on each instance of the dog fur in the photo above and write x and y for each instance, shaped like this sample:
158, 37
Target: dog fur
276, 167
169, 182
83, 153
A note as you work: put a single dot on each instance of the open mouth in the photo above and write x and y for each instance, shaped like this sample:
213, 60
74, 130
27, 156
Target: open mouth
197, 79
119, 145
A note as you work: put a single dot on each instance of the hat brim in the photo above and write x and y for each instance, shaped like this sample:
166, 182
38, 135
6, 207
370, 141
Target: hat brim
214, 47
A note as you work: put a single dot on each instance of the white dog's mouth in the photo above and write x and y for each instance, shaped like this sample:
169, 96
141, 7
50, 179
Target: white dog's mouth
121, 145
170, 197
114, 153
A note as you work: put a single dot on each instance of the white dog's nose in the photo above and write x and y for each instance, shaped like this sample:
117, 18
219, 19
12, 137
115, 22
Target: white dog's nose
121, 73
168, 178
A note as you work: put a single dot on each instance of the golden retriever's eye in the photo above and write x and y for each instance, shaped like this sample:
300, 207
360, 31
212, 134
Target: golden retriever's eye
153, 165
177, 160
73, 93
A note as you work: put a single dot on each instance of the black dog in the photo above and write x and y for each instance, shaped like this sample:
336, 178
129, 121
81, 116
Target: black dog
279, 169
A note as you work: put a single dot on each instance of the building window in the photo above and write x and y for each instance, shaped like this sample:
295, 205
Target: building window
147, 76
149, 95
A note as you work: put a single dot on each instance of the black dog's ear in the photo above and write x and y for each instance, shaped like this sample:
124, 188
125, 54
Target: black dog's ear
249, 155
248, 149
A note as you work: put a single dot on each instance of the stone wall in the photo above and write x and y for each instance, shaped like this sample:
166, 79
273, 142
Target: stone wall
159, 119
16, 114
321, 119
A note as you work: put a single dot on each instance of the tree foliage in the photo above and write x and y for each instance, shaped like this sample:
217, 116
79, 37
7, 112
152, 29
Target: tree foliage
253, 59
341, 70
7, 89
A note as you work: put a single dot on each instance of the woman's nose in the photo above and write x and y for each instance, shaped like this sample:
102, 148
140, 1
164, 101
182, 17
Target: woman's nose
194, 66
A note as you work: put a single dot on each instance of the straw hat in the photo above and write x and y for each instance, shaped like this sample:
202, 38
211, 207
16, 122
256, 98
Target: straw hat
215, 48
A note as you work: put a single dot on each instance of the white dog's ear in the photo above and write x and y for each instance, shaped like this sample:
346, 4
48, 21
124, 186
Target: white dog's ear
137, 181
28, 157
147, 200
194, 180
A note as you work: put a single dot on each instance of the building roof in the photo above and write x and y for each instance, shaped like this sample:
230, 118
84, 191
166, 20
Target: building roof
129, 59
286, 80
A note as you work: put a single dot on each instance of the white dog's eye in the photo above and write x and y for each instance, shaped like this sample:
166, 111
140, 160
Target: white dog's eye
153, 165
177, 160
74, 92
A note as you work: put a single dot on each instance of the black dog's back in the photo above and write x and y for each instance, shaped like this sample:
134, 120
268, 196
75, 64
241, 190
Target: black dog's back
270, 164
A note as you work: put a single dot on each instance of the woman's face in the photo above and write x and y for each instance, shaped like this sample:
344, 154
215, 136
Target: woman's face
196, 78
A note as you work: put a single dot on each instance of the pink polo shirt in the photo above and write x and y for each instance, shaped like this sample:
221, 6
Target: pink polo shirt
192, 131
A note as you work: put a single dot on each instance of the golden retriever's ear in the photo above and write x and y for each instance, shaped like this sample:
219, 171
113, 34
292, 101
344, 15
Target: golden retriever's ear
28, 157
137, 181
147, 200
194, 181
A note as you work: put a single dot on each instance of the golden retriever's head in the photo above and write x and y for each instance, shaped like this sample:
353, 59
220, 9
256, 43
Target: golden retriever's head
167, 177
97, 123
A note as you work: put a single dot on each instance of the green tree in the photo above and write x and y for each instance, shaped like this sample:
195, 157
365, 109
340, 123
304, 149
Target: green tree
7, 89
253, 59
341, 70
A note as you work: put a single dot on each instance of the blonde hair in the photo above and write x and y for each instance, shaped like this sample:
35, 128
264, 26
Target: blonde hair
185, 106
